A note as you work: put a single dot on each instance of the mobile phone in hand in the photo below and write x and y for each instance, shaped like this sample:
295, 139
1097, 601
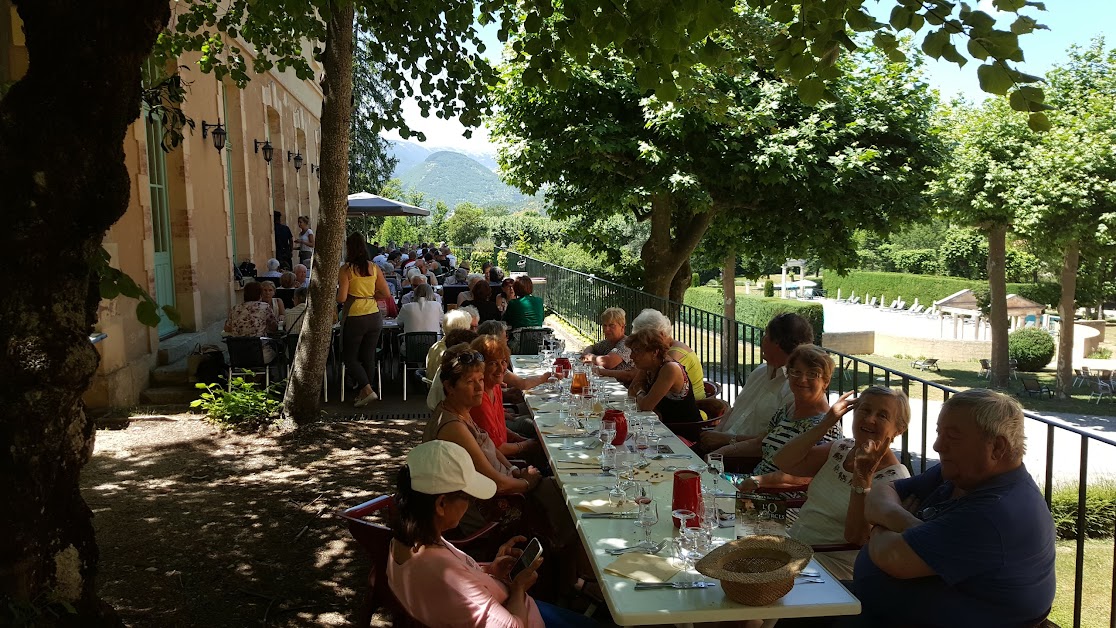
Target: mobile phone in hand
533, 551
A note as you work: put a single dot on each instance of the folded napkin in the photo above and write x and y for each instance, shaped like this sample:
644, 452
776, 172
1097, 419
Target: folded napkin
642, 567
562, 429
539, 405
603, 506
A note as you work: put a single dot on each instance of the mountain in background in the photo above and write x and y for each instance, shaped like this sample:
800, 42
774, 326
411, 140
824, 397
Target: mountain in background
411, 154
454, 178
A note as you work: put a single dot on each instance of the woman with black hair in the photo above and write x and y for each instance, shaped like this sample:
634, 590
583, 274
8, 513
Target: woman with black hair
438, 584
359, 284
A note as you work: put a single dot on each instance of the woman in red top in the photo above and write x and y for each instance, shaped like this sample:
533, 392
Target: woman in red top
489, 415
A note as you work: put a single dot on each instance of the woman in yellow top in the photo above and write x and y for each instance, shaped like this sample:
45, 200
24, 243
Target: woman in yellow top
359, 284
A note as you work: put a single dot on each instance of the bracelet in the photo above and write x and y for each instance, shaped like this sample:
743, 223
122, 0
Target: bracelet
755, 480
527, 482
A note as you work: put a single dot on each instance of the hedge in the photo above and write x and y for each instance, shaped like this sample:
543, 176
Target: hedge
926, 288
1100, 511
757, 311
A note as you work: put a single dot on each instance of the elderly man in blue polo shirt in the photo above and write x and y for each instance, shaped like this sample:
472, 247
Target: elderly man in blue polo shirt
970, 542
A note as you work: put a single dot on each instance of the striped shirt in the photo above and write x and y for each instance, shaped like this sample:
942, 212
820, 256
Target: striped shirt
783, 428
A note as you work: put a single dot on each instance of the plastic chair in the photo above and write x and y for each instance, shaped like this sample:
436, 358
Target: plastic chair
985, 368
1032, 387
286, 295
691, 431
416, 345
246, 353
1099, 390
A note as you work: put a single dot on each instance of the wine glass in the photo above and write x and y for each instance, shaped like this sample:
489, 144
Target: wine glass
624, 466
607, 434
608, 460
716, 467
710, 519
683, 515
647, 518
642, 444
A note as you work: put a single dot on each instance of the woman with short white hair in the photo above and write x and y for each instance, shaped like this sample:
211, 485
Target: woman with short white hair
467, 295
424, 313
455, 319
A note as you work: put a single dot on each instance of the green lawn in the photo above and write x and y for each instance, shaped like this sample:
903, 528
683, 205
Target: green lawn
964, 375
1097, 595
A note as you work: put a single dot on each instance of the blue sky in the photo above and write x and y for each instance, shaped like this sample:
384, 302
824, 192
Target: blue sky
1070, 22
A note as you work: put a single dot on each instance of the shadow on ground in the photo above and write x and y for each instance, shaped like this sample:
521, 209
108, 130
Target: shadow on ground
201, 528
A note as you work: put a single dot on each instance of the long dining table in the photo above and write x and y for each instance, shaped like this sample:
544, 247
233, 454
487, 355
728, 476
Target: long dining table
819, 596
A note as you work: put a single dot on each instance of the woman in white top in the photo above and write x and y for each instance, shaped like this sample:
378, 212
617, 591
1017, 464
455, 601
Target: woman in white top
422, 314
305, 240
844, 471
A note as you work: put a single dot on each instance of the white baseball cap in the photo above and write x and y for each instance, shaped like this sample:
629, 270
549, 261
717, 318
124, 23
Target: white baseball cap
439, 467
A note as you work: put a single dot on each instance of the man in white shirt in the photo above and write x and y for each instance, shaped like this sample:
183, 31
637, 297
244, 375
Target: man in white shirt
451, 259
416, 281
302, 275
766, 389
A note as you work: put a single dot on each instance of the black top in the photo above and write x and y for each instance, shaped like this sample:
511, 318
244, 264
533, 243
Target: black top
673, 408
487, 309
283, 245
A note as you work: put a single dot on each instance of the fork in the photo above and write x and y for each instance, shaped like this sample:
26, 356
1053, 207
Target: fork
576, 447
655, 548
665, 456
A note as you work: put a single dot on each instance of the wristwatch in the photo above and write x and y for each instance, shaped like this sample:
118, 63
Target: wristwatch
861, 490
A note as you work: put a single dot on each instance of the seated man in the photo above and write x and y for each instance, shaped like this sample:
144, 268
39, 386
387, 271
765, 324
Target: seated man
971, 541
765, 391
302, 276
417, 280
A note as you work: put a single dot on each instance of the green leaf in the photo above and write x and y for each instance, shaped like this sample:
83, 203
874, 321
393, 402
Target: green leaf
1038, 122
173, 314
949, 53
860, 21
1023, 25
901, 17
801, 66
994, 79
977, 49
109, 289
934, 42
811, 91
1009, 5
147, 313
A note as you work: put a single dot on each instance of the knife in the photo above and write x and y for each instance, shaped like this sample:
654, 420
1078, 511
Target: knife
608, 515
591, 475
651, 586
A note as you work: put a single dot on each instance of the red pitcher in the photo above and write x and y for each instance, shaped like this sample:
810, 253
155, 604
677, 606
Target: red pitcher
621, 425
687, 495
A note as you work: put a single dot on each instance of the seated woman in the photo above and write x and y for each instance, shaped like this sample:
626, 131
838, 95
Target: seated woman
654, 319
505, 295
611, 355
424, 313
843, 471
482, 300
470, 281
438, 584
809, 369
489, 415
527, 309
661, 383
462, 378
268, 296
254, 318
454, 319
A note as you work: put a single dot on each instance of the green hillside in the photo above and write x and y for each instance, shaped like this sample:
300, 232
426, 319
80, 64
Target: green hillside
454, 178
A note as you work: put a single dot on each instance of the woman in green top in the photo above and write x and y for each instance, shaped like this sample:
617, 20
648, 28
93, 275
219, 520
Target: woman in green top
359, 284
527, 309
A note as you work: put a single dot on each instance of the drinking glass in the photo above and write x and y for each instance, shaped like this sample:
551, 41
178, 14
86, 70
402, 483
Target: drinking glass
608, 460
683, 515
689, 547
710, 519
624, 475
642, 444
716, 467
647, 518
607, 434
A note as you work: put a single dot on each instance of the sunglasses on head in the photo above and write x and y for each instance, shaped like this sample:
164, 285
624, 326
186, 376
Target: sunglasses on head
470, 357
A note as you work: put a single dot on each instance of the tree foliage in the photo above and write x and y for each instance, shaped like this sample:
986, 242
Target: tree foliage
370, 165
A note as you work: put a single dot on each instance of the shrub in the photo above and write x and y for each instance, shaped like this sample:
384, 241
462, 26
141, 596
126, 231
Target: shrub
757, 311
1100, 511
928, 288
769, 288
1033, 348
244, 406
1101, 353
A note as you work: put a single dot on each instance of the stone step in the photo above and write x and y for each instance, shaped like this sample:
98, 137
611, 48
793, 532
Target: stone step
173, 374
168, 395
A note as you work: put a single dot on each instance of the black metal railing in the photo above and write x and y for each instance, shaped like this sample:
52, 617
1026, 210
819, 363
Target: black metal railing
729, 350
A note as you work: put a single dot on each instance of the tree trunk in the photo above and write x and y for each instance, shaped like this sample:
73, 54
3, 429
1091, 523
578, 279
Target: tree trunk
1071, 255
669, 246
997, 294
728, 289
301, 401
64, 183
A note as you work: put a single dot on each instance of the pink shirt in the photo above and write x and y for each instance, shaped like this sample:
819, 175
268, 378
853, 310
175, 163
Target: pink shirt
443, 586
